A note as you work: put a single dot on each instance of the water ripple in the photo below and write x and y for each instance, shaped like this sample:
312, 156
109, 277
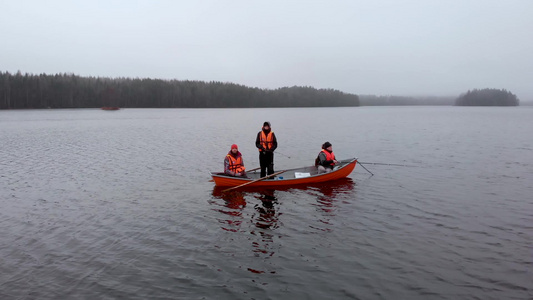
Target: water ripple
120, 206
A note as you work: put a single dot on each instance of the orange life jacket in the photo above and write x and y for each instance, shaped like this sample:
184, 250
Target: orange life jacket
329, 156
235, 164
266, 140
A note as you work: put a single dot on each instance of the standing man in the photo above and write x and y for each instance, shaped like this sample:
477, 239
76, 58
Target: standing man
266, 143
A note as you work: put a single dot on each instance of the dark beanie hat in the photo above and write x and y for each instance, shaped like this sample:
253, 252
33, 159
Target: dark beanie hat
326, 144
266, 124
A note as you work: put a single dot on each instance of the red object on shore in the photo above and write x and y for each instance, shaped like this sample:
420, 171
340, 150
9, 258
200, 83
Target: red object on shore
110, 108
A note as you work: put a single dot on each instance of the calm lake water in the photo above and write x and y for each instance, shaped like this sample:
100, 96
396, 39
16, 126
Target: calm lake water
119, 205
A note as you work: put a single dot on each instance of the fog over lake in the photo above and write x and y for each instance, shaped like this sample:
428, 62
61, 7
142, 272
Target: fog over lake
409, 48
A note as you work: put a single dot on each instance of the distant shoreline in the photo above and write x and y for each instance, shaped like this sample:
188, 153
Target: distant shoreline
28, 91
294, 107
72, 91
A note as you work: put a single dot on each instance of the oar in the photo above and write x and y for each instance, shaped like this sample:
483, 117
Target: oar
250, 182
365, 168
246, 171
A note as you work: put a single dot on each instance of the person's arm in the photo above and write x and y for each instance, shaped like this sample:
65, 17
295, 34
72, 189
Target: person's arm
244, 171
322, 159
226, 167
274, 142
258, 141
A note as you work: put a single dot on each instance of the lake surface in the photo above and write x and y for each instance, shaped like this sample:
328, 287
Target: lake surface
119, 205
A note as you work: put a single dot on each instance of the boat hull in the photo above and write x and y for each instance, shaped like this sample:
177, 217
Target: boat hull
289, 177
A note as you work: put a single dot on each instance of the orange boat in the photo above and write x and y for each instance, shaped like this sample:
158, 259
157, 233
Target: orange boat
303, 175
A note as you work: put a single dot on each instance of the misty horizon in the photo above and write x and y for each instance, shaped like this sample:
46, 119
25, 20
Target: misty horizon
427, 98
415, 49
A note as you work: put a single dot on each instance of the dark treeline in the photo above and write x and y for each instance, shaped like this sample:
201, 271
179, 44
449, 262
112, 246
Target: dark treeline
370, 100
487, 97
19, 91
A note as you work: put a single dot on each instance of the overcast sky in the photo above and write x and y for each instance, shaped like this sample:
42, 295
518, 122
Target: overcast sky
422, 47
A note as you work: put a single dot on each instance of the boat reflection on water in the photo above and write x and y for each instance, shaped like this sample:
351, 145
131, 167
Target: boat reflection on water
265, 214
330, 189
327, 198
234, 203
328, 194
333, 188
266, 217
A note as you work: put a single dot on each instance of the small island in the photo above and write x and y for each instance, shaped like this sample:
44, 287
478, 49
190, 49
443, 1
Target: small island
487, 97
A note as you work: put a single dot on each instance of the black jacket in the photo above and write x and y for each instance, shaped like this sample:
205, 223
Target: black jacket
274, 141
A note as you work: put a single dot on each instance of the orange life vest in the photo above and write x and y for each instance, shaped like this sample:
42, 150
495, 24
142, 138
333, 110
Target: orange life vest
235, 164
266, 140
329, 156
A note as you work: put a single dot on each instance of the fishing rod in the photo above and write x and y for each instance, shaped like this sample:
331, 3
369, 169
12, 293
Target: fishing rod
365, 168
386, 164
283, 154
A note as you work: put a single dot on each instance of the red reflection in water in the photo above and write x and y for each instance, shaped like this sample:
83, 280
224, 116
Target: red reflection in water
265, 217
234, 203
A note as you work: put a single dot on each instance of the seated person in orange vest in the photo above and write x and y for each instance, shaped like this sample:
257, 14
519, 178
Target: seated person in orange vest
326, 159
233, 163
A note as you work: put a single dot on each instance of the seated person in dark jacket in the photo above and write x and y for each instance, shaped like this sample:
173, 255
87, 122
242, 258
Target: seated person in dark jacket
326, 159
